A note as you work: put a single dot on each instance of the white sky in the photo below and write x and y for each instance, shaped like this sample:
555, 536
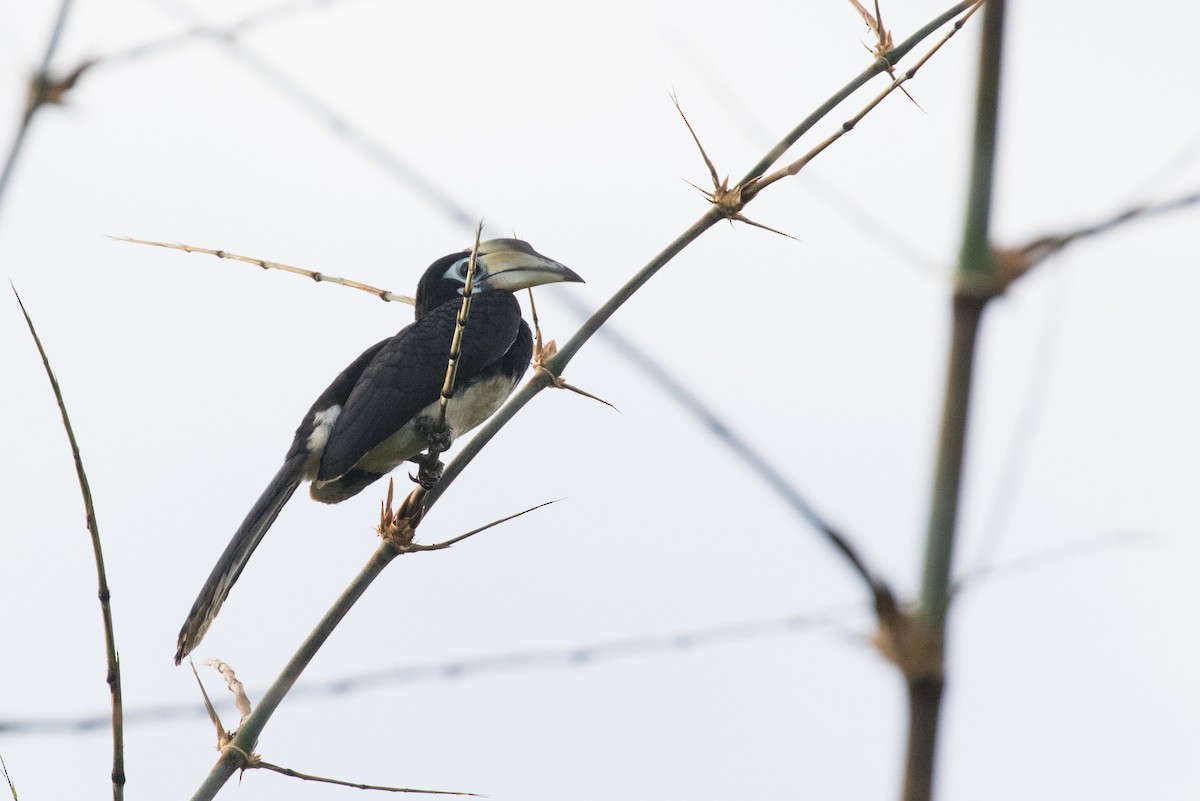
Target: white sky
185, 377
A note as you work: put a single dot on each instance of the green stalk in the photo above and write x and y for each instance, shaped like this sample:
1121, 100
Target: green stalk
975, 288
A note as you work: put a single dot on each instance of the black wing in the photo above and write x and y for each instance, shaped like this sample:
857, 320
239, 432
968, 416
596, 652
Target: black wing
258, 521
406, 375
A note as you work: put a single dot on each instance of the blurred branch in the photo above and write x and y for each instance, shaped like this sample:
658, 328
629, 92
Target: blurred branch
1012, 263
113, 677
582, 656
339, 126
687, 641
1019, 443
40, 93
228, 32
1048, 556
925, 675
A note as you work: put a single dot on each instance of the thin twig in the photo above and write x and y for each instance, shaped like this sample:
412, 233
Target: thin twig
1043, 247
588, 654
680, 642
1011, 264
12, 788
113, 677
1019, 443
850, 124
295, 774
337, 124
1048, 556
880, 65
830, 193
460, 326
252, 21
440, 546
382, 294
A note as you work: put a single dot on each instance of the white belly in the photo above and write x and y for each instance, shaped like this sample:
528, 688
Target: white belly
463, 413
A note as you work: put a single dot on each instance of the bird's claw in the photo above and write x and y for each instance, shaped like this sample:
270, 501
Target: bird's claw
438, 439
429, 472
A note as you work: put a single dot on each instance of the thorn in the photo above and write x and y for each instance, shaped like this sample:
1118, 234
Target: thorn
748, 221
712, 170
561, 384
884, 44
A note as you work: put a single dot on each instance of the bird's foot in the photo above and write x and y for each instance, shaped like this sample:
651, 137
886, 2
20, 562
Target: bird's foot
429, 471
439, 440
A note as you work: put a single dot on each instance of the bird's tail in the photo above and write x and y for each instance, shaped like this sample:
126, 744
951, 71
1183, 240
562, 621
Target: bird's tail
237, 554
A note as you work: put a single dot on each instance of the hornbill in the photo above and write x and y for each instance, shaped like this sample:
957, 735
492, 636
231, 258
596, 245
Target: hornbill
379, 412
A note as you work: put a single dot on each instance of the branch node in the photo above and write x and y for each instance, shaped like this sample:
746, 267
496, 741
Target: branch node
398, 527
907, 642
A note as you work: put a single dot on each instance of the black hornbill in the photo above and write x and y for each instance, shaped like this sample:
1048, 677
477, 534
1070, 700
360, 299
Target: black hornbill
379, 411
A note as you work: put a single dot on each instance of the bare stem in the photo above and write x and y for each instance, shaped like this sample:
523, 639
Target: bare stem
382, 294
880, 64
460, 326
308, 777
113, 677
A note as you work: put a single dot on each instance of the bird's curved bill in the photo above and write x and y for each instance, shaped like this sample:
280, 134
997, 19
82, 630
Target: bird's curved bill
512, 264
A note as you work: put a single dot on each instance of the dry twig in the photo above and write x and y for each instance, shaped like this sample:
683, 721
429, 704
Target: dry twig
12, 788
113, 677
382, 294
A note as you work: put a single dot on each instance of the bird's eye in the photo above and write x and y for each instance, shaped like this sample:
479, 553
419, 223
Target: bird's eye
464, 268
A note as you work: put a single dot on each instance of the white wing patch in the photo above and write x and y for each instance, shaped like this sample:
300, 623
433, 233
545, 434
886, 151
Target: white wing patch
322, 424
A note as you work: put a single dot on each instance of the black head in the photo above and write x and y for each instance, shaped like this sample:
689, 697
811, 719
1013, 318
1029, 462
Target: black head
503, 265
